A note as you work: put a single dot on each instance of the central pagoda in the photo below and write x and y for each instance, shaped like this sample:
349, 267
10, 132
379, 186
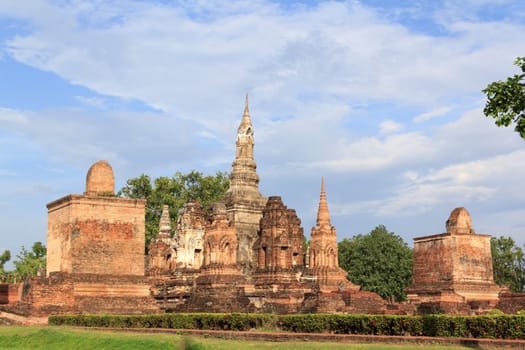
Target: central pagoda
244, 203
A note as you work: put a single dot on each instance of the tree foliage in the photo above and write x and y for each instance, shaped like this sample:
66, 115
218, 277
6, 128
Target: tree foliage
29, 262
175, 192
5, 257
379, 261
506, 100
508, 262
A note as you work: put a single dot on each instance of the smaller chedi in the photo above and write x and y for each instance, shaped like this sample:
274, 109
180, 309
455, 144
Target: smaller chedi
189, 236
97, 232
453, 270
160, 257
323, 257
280, 246
220, 248
95, 254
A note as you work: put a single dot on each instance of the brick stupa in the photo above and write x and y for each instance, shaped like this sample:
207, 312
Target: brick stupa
160, 253
96, 233
324, 261
95, 253
244, 202
453, 270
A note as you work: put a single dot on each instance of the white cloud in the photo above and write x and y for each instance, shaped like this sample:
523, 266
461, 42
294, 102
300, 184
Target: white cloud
431, 114
411, 175
166, 56
11, 116
320, 78
475, 181
389, 127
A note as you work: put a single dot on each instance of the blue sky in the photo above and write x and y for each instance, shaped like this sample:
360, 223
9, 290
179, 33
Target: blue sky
384, 101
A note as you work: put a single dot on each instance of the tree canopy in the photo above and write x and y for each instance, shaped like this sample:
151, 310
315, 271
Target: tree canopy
5, 257
379, 261
508, 262
175, 192
29, 262
506, 100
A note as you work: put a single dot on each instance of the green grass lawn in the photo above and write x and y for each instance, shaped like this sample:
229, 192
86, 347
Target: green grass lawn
58, 338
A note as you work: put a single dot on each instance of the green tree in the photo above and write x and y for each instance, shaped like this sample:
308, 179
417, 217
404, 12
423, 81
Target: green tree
379, 261
29, 262
175, 192
506, 100
508, 263
5, 257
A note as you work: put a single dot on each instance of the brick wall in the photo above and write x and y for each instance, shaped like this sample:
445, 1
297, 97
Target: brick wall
10, 293
48, 295
443, 259
100, 235
511, 302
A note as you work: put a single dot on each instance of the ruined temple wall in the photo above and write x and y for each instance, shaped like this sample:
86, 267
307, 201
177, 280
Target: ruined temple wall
54, 294
433, 262
65, 293
99, 234
473, 259
10, 293
511, 303
58, 238
446, 259
246, 217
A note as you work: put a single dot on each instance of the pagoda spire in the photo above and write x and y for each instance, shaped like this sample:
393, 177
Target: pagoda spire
246, 110
246, 122
244, 203
323, 215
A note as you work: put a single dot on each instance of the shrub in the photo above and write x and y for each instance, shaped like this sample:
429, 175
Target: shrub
503, 326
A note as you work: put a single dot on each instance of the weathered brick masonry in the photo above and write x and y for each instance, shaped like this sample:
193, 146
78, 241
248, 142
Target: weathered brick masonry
247, 256
453, 271
95, 254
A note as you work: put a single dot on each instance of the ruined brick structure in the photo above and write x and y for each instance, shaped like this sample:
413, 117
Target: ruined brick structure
10, 293
189, 236
280, 246
254, 254
453, 270
248, 256
96, 232
95, 254
160, 252
220, 242
324, 261
244, 202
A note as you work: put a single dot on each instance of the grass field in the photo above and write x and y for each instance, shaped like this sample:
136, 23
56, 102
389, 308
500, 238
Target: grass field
62, 338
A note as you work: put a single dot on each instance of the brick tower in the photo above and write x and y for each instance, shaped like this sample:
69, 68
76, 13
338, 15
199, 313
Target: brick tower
453, 270
324, 253
244, 202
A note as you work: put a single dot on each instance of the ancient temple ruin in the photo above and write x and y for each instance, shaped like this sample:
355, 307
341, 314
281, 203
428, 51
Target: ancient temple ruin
95, 254
453, 270
324, 260
160, 257
244, 203
189, 237
254, 253
97, 232
249, 255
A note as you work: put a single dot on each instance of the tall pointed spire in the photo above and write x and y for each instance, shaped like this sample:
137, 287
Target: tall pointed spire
324, 252
246, 122
244, 203
323, 215
246, 111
